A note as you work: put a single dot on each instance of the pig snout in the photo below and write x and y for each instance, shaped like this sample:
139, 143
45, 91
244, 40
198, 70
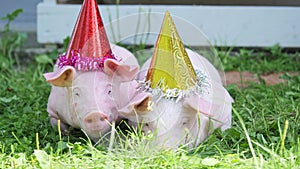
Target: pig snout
96, 121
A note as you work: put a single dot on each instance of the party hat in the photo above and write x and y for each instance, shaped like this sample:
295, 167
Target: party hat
170, 66
89, 46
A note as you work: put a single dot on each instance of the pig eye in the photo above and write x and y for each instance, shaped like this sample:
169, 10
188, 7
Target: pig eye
108, 89
76, 92
185, 121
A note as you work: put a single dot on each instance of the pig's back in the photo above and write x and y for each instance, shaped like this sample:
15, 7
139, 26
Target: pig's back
201, 63
124, 55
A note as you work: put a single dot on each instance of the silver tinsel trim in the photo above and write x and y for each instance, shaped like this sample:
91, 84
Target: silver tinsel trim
202, 86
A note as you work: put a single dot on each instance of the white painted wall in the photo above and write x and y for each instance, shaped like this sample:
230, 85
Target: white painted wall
223, 25
26, 21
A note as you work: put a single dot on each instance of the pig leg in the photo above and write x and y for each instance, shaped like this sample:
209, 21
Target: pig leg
53, 115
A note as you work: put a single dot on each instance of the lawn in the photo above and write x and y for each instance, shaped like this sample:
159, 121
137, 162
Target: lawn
264, 134
265, 130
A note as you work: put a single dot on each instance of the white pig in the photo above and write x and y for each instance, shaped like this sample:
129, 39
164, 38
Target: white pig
188, 121
84, 100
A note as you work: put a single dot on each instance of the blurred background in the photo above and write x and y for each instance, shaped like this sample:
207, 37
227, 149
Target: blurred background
225, 22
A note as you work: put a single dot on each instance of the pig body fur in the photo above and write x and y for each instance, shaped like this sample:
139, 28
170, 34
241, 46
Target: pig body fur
188, 121
84, 100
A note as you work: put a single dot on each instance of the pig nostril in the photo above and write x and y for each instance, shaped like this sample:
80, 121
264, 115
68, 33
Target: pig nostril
103, 118
89, 121
95, 118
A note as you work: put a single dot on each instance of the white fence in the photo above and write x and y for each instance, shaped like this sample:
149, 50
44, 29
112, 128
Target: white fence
249, 26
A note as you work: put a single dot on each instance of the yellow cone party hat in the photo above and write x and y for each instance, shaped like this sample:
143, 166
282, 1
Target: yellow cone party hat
170, 66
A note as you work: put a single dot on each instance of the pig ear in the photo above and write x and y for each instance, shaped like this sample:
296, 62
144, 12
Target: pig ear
197, 103
62, 77
139, 104
124, 72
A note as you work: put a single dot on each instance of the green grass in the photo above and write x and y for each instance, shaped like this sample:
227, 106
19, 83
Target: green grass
264, 134
260, 118
263, 60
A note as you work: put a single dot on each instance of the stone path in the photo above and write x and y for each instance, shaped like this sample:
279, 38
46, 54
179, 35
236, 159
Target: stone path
243, 78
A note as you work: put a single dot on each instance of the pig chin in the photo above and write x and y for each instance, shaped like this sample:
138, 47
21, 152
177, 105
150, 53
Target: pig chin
97, 135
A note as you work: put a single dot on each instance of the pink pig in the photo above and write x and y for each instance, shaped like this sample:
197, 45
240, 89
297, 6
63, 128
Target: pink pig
179, 123
85, 100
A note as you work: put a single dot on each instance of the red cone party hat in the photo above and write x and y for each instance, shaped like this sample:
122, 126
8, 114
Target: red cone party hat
89, 46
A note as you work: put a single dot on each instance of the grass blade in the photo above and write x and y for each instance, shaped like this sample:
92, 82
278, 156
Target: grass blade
247, 136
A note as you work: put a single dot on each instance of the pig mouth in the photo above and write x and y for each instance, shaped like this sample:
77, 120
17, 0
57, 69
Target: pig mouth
97, 133
96, 136
103, 129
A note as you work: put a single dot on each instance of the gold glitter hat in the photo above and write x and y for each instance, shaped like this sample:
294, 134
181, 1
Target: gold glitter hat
171, 69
